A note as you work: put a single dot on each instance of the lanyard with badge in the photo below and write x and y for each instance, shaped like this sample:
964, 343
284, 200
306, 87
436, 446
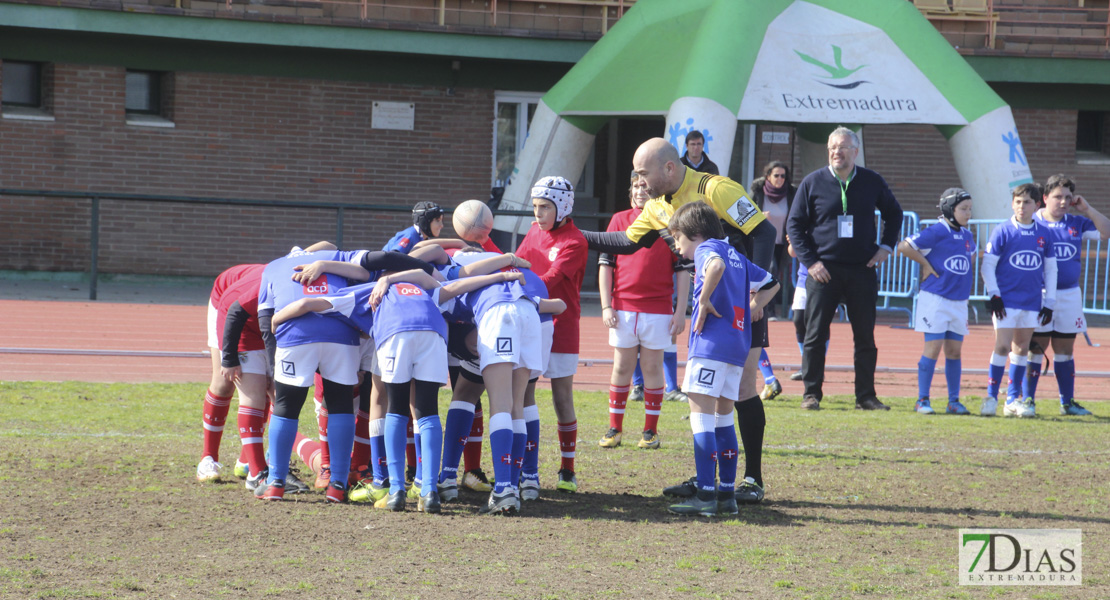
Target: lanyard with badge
844, 224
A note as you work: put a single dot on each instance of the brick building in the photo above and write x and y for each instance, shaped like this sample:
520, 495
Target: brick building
375, 105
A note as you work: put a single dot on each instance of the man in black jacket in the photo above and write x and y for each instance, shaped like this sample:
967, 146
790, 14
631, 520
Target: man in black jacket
832, 228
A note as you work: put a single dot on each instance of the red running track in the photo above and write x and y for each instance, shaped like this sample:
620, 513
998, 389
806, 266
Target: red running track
52, 326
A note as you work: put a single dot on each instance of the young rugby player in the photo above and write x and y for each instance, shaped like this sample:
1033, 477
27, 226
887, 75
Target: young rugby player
1068, 233
636, 292
945, 250
427, 223
720, 339
557, 252
1019, 261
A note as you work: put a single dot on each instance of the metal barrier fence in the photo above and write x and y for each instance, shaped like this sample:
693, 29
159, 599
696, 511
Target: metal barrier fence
898, 275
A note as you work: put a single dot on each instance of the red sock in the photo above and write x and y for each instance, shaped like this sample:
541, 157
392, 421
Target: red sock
472, 452
215, 413
251, 423
321, 421
310, 451
360, 456
410, 448
568, 439
618, 398
653, 403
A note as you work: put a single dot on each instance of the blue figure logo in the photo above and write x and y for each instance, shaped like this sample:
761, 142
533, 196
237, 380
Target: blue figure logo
1017, 152
676, 135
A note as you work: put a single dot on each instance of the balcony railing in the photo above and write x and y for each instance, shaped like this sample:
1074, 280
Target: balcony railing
1033, 27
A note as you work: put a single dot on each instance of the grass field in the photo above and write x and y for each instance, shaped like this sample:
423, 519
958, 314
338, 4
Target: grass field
98, 500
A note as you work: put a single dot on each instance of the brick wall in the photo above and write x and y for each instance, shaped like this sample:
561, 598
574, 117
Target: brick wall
263, 138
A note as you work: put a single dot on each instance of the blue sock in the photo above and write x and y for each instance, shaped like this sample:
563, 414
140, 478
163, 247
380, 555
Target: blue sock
995, 371
431, 441
531, 468
925, 368
520, 435
1017, 374
417, 479
728, 451
460, 417
396, 436
638, 375
283, 432
953, 369
377, 450
1065, 378
766, 368
704, 427
501, 447
670, 370
1032, 376
341, 440
801, 349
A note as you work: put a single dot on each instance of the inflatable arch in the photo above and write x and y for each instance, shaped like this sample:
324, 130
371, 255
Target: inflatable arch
707, 64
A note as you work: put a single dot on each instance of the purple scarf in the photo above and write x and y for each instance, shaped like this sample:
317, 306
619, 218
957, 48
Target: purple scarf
772, 193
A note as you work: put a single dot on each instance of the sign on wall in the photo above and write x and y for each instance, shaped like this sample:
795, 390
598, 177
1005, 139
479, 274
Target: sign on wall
393, 115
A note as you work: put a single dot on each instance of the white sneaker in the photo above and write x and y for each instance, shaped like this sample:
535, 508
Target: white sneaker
1013, 406
208, 469
529, 490
1026, 409
989, 408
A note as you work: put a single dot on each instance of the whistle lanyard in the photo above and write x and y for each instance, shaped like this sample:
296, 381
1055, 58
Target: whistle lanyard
844, 189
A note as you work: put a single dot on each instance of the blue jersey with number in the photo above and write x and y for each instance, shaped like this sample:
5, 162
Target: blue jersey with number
950, 252
727, 338
405, 240
1021, 250
278, 290
1067, 239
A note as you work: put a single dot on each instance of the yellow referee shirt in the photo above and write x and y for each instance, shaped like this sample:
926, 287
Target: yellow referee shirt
729, 200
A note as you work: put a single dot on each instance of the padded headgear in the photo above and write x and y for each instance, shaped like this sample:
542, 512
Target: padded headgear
423, 214
557, 190
949, 200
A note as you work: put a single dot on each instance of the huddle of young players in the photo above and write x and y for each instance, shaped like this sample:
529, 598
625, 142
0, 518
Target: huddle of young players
1030, 270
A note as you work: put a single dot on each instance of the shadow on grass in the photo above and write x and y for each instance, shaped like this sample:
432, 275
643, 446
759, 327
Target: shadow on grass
965, 512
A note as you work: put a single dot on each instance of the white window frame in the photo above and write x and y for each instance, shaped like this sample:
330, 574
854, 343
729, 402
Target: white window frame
520, 98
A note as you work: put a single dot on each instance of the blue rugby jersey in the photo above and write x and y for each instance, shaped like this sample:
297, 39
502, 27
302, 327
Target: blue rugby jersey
404, 240
277, 290
1067, 237
1021, 250
728, 338
950, 252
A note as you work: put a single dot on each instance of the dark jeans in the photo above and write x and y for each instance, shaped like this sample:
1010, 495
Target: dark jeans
858, 287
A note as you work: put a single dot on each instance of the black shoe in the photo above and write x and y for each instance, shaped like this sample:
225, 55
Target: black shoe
749, 492
871, 404
396, 502
810, 402
429, 503
686, 489
726, 503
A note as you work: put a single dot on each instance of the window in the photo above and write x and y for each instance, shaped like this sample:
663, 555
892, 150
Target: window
143, 93
513, 112
1088, 131
22, 84
148, 101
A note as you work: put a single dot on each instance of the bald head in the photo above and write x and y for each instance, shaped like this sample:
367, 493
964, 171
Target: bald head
657, 163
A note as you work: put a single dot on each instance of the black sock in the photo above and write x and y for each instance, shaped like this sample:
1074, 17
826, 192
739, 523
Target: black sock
751, 421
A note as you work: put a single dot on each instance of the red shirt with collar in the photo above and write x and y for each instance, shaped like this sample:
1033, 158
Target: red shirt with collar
643, 281
559, 258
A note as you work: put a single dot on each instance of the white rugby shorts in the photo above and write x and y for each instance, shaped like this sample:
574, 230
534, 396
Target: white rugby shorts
213, 335
799, 298
367, 356
1016, 319
547, 337
510, 333
408, 355
712, 378
937, 314
1067, 317
561, 364
634, 329
297, 365
256, 361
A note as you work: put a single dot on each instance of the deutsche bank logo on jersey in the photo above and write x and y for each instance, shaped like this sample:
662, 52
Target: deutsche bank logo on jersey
958, 265
1065, 251
1026, 260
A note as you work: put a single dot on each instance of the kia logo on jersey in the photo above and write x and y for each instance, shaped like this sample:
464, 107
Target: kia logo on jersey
958, 265
1026, 260
1065, 251
317, 287
408, 289
738, 317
